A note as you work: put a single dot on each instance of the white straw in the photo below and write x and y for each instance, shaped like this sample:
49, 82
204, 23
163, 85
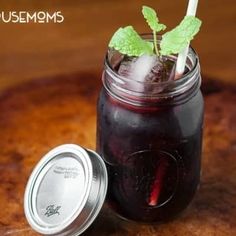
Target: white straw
181, 60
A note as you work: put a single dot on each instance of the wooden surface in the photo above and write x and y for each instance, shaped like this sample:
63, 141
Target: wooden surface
49, 81
42, 114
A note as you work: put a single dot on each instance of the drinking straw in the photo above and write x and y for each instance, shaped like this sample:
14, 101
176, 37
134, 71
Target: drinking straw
181, 60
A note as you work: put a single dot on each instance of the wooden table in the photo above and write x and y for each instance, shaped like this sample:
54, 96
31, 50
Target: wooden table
49, 82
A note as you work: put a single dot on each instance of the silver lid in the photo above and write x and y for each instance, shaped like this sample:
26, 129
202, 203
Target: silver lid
65, 191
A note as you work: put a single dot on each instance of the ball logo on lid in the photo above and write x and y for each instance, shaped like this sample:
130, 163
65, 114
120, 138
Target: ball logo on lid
52, 210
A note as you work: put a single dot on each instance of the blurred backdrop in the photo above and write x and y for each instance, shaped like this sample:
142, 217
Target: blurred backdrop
31, 51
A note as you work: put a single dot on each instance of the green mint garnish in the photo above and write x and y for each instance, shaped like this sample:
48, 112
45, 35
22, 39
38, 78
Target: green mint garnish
178, 38
151, 17
127, 41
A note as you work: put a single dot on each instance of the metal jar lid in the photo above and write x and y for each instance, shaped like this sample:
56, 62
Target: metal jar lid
65, 191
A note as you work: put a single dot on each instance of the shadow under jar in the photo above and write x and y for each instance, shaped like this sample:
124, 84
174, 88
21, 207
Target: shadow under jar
150, 137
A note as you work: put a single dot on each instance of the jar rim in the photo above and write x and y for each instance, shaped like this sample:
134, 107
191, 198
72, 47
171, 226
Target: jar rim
142, 92
159, 83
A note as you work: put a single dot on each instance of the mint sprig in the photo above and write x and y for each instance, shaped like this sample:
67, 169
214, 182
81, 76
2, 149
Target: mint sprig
151, 17
178, 38
127, 41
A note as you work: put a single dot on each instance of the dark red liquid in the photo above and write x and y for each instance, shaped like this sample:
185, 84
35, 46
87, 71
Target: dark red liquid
152, 156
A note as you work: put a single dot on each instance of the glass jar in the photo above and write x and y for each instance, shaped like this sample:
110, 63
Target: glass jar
150, 137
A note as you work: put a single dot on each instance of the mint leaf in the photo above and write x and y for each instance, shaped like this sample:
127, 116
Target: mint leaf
178, 38
152, 20
151, 17
127, 41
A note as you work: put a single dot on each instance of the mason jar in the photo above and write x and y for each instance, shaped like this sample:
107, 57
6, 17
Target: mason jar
150, 136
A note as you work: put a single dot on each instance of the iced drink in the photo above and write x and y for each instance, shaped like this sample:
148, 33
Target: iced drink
149, 133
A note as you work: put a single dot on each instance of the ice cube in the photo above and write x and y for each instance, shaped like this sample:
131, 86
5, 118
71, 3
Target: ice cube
137, 68
125, 66
147, 69
162, 71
